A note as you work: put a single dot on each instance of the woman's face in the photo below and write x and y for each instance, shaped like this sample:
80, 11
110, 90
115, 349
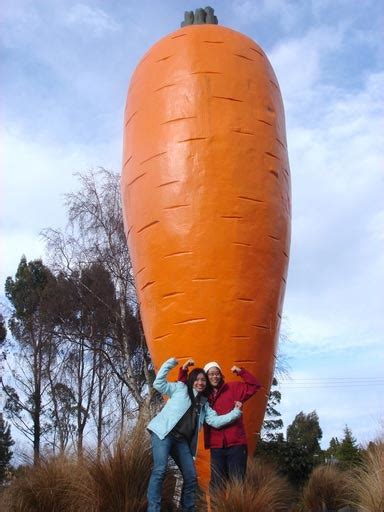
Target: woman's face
214, 376
200, 383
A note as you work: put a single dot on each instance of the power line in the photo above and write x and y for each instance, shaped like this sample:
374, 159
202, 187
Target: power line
333, 386
324, 379
333, 382
334, 378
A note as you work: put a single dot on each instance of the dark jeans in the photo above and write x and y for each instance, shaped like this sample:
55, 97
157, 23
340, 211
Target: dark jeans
228, 463
181, 453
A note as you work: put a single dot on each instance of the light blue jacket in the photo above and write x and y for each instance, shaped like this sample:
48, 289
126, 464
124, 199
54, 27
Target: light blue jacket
179, 403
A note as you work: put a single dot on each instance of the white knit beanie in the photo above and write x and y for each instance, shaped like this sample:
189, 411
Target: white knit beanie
210, 365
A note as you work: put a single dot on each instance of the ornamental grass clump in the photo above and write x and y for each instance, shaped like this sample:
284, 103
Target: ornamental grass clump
116, 481
55, 484
367, 480
263, 490
328, 488
121, 477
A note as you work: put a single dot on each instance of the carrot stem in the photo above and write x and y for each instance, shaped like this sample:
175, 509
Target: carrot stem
200, 17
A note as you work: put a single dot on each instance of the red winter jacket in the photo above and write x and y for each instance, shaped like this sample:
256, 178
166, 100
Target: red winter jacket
222, 402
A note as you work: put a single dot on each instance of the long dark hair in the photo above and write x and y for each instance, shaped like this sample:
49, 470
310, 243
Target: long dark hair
192, 377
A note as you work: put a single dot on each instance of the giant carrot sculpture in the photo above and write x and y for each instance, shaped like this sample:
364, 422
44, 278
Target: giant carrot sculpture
206, 196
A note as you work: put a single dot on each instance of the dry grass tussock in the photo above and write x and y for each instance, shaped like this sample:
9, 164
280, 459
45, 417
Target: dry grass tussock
121, 477
328, 488
55, 485
263, 490
368, 480
115, 483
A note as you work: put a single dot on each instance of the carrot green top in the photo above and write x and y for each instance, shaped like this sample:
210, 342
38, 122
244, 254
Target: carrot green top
200, 17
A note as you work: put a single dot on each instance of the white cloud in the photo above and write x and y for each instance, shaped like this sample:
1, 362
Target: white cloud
37, 175
299, 64
92, 20
336, 271
25, 20
285, 13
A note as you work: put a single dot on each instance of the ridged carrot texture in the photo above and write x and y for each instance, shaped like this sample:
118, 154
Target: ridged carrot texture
206, 197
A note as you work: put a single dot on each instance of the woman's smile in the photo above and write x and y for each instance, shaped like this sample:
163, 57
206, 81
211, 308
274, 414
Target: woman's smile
214, 376
200, 383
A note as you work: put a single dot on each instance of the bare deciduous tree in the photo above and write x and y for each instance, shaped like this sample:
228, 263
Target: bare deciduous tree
95, 233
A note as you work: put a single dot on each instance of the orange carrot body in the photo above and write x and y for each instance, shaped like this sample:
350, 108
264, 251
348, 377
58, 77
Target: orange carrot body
206, 197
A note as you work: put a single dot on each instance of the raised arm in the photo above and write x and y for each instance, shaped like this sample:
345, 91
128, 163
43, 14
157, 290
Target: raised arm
248, 387
183, 375
183, 371
161, 384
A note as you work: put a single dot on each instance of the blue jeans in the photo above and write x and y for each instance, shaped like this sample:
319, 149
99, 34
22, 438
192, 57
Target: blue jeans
228, 463
181, 454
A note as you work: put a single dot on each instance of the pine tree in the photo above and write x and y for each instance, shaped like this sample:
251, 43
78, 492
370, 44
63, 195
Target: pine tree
273, 422
6, 442
348, 451
331, 452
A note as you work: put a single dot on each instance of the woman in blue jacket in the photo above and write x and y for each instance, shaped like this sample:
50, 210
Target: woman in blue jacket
175, 428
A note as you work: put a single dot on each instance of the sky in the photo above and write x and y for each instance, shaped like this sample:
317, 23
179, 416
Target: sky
66, 66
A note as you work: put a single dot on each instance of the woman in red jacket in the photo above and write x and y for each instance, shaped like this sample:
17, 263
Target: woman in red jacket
228, 445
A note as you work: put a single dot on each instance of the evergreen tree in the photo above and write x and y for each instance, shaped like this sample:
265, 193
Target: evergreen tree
29, 294
3, 330
305, 432
303, 448
348, 451
272, 423
6, 442
331, 452
271, 445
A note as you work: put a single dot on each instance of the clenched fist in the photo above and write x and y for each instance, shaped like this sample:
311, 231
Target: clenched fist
188, 363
